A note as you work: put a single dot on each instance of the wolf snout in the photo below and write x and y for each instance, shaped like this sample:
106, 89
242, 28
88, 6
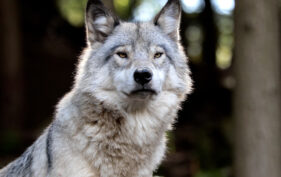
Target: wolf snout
143, 76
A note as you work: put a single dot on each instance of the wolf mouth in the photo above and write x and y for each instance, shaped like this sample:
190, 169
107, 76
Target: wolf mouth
151, 91
141, 92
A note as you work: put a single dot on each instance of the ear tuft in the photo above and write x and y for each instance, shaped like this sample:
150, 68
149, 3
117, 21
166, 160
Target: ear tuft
100, 22
168, 19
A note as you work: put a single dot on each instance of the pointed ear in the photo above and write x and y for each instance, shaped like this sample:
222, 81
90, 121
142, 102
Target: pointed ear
168, 19
100, 22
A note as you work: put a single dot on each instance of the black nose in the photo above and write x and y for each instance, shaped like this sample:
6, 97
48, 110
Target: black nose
143, 76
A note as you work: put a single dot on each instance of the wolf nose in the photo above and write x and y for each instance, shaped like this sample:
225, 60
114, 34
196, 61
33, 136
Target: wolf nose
142, 76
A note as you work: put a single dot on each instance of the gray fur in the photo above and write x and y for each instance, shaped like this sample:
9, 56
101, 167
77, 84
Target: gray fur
108, 124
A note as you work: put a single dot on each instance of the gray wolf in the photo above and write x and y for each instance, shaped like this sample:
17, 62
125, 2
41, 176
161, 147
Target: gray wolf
130, 82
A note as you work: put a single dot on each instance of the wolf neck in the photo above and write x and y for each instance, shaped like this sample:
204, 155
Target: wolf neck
99, 120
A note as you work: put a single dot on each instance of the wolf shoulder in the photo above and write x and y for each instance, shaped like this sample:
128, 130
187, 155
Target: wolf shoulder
31, 163
49, 156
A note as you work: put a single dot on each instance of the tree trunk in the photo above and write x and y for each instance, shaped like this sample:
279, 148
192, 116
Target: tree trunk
257, 100
11, 66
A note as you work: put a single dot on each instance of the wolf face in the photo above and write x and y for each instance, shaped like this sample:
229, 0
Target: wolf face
131, 62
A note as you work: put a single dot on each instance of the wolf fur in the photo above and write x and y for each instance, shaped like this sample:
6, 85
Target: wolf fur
110, 124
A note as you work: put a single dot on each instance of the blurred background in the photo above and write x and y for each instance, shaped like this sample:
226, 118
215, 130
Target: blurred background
41, 41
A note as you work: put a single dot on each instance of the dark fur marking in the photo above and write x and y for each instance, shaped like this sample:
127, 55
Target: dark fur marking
166, 51
111, 51
138, 30
29, 162
22, 166
107, 58
49, 142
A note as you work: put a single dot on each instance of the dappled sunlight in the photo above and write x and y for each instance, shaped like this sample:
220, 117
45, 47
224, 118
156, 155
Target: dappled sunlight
145, 12
223, 57
225, 42
147, 9
192, 6
194, 37
224, 7
73, 10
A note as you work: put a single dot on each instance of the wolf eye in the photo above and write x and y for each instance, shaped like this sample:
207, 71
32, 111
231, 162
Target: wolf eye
158, 55
122, 54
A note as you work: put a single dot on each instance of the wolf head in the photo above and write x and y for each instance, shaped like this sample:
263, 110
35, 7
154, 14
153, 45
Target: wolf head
133, 62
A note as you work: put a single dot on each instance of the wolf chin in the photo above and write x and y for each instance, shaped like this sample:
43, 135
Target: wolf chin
130, 81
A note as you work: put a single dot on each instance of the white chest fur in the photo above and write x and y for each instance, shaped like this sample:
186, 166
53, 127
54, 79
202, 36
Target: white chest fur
120, 144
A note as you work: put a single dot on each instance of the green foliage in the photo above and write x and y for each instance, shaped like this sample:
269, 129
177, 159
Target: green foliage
72, 11
213, 173
122, 8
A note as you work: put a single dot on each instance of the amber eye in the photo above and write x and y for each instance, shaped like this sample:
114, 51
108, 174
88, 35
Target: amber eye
158, 55
122, 54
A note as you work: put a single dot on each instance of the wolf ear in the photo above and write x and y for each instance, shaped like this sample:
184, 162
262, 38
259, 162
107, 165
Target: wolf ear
168, 19
100, 22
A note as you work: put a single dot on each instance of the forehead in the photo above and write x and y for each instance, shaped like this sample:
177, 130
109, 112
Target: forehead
144, 33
